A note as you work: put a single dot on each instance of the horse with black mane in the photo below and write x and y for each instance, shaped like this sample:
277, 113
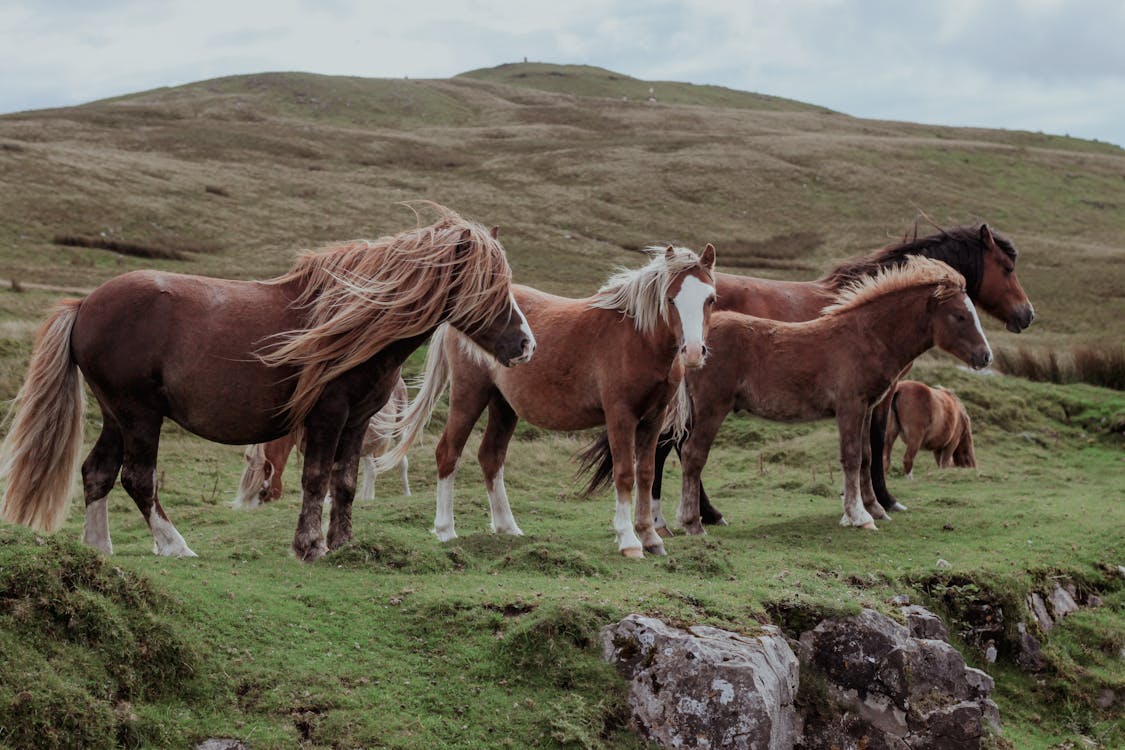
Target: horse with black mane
243, 362
986, 259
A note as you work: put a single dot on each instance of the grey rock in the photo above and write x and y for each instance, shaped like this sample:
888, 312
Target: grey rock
896, 690
1062, 602
1029, 655
221, 743
705, 687
925, 624
1038, 609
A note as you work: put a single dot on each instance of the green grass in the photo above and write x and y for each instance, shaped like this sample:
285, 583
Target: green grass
487, 641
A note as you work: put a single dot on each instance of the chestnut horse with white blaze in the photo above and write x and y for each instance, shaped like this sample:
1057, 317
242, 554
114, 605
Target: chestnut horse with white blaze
242, 362
985, 258
613, 359
840, 365
932, 419
265, 462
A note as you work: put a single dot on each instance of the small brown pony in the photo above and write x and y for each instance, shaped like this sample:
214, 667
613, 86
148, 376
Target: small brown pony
933, 419
243, 362
985, 258
841, 364
265, 462
614, 359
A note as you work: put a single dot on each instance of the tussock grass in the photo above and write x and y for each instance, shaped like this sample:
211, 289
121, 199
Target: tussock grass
1102, 366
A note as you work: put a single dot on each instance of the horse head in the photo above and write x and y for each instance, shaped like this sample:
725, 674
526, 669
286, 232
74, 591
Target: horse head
1000, 294
502, 330
690, 300
957, 329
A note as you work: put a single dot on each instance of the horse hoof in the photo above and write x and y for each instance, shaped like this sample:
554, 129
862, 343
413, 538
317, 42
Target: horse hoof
898, 506
312, 554
444, 535
870, 526
664, 531
633, 552
655, 549
696, 529
720, 521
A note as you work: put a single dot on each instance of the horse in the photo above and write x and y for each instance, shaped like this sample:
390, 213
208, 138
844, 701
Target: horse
930, 418
242, 362
840, 365
613, 359
986, 259
265, 462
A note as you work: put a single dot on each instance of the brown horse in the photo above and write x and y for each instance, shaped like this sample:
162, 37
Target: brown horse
933, 419
246, 362
841, 364
614, 359
985, 258
265, 462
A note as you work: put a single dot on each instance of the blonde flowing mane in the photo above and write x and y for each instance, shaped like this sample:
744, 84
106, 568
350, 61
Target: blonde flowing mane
361, 296
642, 293
917, 271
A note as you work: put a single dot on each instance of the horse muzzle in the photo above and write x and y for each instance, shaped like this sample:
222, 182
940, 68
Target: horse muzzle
526, 351
981, 359
1020, 318
693, 355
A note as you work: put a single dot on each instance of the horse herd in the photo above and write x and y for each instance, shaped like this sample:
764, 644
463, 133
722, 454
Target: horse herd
658, 357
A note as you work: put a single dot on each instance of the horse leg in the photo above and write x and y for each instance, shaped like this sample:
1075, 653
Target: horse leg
464, 409
322, 435
891, 435
867, 492
664, 446
344, 470
404, 475
912, 447
368, 491
99, 472
645, 439
693, 457
849, 424
138, 477
876, 436
708, 513
622, 434
498, 433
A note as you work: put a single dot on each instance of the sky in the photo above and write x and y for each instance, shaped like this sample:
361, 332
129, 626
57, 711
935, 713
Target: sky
1056, 66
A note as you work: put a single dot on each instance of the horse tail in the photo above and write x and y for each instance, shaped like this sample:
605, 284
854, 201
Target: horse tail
596, 460
405, 425
41, 451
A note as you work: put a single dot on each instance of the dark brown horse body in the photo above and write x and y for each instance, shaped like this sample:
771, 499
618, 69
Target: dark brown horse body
198, 351
932, 419
986, 259
839, 365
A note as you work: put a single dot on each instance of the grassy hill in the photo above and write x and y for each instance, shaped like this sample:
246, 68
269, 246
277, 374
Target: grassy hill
486, 642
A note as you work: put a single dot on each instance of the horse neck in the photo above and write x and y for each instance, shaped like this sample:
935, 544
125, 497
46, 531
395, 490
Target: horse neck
900, 324
969, 262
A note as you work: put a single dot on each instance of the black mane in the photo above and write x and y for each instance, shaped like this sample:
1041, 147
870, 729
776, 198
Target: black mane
960, 247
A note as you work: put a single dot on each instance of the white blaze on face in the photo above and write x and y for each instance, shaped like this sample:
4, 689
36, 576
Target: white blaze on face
689, 301
976, 322
525, 328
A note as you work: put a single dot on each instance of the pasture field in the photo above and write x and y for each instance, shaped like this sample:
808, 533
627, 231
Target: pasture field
484, 642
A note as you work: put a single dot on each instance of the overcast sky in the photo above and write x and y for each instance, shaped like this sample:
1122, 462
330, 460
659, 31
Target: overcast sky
1056, 66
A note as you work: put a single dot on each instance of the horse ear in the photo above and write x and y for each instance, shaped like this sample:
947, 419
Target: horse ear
669, 253
463, 243
986, 235
495, 232
707, 258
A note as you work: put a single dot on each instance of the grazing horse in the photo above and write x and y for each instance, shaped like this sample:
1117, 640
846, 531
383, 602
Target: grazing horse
242, 362
841, 364
613, 359
933, 419
985, 258
265, 462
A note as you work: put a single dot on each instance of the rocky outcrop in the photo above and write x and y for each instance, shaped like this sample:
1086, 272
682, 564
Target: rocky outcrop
705, 687
869, 682
891, 689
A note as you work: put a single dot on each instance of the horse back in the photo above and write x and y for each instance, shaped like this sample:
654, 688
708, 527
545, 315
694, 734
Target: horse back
185, 346
791, 301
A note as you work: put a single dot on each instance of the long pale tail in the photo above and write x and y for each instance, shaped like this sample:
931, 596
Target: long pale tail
404, 427
41, 451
